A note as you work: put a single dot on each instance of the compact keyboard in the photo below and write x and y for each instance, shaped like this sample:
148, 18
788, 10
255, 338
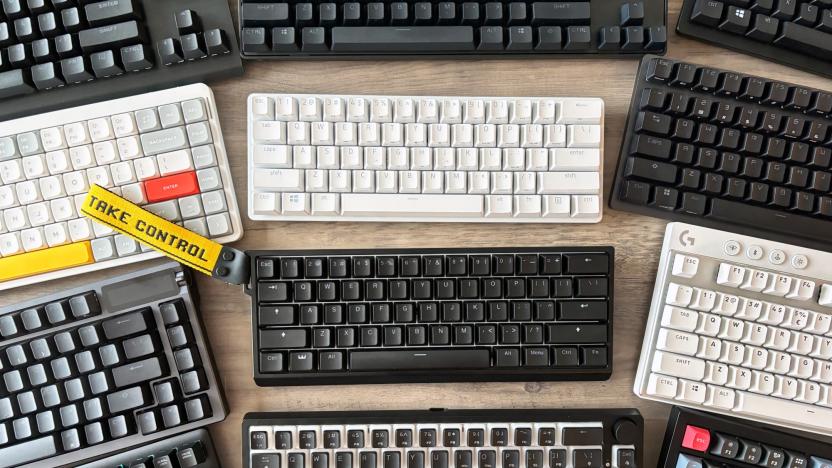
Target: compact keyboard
576, 438
163, 150
303, 29
400, 158
794, 32
64, 53
189, 450
728, 151
698, 440
740, 326
432, 315
101, 368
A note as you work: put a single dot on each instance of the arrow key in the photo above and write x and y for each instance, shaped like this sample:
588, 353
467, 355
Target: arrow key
301, 361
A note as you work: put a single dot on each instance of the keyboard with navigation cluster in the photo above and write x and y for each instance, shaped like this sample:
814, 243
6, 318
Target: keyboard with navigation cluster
701, 440
162, 150
438, 438
62, 53
99, 369
741, 326
402, 158
301, 29
793, 32
729, 151
432, 315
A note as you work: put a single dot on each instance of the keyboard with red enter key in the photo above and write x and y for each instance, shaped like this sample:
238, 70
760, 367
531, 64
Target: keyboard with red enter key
162, 150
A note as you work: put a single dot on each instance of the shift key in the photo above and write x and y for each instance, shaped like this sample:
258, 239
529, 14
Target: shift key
283, 339
110, 37
133, 373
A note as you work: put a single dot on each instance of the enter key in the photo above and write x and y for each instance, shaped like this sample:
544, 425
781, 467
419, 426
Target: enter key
582, 310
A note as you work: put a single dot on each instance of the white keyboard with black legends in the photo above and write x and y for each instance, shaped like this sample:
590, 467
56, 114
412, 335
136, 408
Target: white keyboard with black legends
741, 326
424, 158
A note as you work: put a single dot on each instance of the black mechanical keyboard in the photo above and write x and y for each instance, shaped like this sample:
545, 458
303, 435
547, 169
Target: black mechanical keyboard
189, 450
701, 440
728, 151
432, 315
793, 32
99, 369
439, 438
298, 29
64, 53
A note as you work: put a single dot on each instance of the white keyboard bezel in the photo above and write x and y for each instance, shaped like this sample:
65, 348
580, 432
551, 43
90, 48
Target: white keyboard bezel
415, 219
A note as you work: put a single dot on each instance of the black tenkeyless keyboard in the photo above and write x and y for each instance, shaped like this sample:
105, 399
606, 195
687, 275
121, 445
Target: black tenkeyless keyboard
305, 29
793, 32
65, 53
727, 150
432, 315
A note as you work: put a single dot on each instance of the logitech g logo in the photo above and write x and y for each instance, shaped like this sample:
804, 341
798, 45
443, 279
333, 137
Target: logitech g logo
686, 239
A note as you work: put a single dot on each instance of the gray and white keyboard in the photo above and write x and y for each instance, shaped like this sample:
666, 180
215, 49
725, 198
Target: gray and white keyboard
163, 150
741, 326
425, 158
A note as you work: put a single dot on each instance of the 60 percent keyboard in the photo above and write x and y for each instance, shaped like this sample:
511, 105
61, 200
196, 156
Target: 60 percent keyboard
400, 158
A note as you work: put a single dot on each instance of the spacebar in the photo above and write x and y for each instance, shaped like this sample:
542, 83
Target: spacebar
28, 451
402, 39
770, 220
379, 204
780, 411
421, 359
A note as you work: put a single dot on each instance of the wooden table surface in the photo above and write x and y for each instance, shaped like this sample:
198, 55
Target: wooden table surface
637, 239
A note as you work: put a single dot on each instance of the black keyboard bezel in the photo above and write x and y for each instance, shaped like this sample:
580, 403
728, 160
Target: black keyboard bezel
609, 416
431, 376
160, 448
680, 418
748, 46
617, 202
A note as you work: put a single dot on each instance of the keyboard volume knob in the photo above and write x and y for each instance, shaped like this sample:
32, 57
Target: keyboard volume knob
625, 431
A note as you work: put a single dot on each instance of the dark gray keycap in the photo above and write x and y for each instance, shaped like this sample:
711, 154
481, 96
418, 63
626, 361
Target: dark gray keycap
172, 312
75, 70
133, 373
193, 47
45, 422
70, 440
8, 326
216, 42
193, 381
55, 312
184, 359
31, 319
118, 427
85, 362
127, 399
14, 83
138, 346
109, 12
164, 392
136, 57
50, 396
93, 409
104, 64
411, 39
98, 383
171, 416
110, 37
196, 409
253, 40
88, 335
37, 375
69, 415
13, 381
6, 410
16, 355
109, 355
40, 349
124, 325
147, 422
94, 433
74, 389
64, 342
26, 402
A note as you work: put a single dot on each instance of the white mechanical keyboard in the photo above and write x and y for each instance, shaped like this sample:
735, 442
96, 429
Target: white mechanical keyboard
741, 326
162, 150
399, 158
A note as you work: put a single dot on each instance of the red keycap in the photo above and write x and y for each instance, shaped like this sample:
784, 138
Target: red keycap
175, 186
696, 438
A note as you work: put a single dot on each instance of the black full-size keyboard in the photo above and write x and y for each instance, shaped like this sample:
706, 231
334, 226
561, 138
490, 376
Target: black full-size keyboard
305, 29
440, 438
729, 151
193, 449
432, 315
65, 53
99, 369
700, 440
792, 32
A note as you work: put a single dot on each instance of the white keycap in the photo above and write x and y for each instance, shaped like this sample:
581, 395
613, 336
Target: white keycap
129, 147
52, 139
802, 290
76, 134
730, 275
10, 244
79, 229
322, 133
381, 110
677, 342
266, 203
691, 392
557, 206
286, 109
773, 409
32, 239
527, 206
219, 225
779, 285
11, 171
270, 132
586, 206
428, 111
825, 295
679, 319
678, 366
56, 234
34, 166
583, 136
145, 168
679, 295
685, 266
568, 182
703, 300
326, 204
581, 112
662, 386
281, 180
417, 205
451, 111
310, 109
722, 398
100, 129
756, 281
575, 159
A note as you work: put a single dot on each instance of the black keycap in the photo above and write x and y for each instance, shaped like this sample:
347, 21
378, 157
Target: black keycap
402, 40
283, 338
577, 333
594, 356
98, 14
805, 40
111, 36
559, 14
536, 357
650, 170
586, 263
187, 22
582, 310
565, 357
193, 46
421, 359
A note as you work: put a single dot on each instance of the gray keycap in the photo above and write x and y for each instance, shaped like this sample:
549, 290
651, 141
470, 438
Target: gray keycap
204, 156
171, 416
6, 410
8, 149
103, 249
46, 422
194, 110
163, 141
199, 133
138, 346
170, 115
13, 381
190, 207
187, 458
135, 372
147, 422
98, 383
60, 368
194, 409
40, 349
147, 120
166, 209
192, 381
125, 245
69, 415
64, 342
209, 179
28, 143
184, 359
88, 335
214, 202
118, 427
84, 305
26, 402
74, 390
164, 392
198, 226
109, 355
94, 433
55, 312
93, 410
22, 428
37, 375
127, 399
219, 225
50, 396
70, 440
30, 319
8, 326
16, 355
85, 362
4, 434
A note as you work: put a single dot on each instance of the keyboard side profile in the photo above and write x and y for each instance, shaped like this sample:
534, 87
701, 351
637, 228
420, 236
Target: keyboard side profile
696, 439
193, 449
97, 369
728, 151
432, 315
307, 30
798, 34
740, 326
162, 150
580, 438
425, 159
59, 54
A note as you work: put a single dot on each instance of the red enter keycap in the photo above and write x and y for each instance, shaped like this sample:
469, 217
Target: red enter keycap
696, 438
175, 186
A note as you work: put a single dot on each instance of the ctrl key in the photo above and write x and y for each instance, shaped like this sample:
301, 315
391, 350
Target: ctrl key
263, 460
272, 362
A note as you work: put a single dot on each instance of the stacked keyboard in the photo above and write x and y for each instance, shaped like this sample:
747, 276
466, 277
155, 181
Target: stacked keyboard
699, 440
398, 158
579, 438
108, 366
741, 326
61, 53
729, 151
162, 150
189, 450
796, 32
336, 317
